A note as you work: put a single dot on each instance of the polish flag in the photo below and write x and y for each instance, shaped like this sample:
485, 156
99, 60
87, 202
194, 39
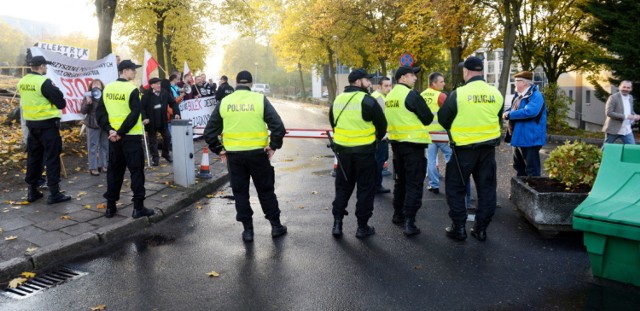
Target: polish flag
149, 65
187, 72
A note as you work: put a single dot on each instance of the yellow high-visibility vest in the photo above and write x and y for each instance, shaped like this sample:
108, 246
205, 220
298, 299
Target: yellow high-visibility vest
35, 107
116, 100
477, 120
377, 94
351, 130
243, 123
402, 124
431, 97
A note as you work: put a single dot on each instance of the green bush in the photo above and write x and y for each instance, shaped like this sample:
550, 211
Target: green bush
574, 163
557, 107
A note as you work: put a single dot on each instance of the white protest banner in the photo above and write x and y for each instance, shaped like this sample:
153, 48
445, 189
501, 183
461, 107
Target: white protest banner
198, 111
66, 50
73, 77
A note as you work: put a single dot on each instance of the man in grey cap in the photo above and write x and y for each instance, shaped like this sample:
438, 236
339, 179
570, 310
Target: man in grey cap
407, 114
118, 113
41, 103
472, 114
358, 124
248, 148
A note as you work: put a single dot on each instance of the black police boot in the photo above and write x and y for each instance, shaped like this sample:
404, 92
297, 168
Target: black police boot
139, 210
410, 228
337, 228
457, 232
277, 229
247, 234
398, 218
111, 209
34, 194
479, 231
365, 231
56, 196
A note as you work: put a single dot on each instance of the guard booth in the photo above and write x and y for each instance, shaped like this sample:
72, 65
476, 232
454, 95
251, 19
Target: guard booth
183, 153
610, 216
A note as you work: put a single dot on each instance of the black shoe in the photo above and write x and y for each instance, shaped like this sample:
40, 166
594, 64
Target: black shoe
434, 190
383, 190
57, 198
111, 209
457, 232
247, 235
397, 218
365, 231
277, 231
479, 232
142, 212
337, 228
410, 228
155, 162
168, 158
34, 195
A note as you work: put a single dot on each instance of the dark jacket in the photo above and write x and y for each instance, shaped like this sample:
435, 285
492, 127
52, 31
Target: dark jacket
129, 122
157, 116
215, 127
449, 110
88, 108
55, 97
223, 90
371, 111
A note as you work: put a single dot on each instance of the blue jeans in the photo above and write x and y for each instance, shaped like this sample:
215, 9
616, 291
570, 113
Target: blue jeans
432, 156
626, 139
526, 160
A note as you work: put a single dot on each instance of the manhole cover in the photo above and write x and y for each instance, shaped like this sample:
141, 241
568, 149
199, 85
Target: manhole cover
42, 282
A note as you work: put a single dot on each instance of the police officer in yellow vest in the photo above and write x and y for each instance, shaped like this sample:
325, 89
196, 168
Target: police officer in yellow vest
247, 147
358, 124
434, 97
472, 115
407, 114
41, 102
382, 154
118, 113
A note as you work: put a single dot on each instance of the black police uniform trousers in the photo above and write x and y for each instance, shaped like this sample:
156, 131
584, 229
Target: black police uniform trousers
409, 165
43, 147
123, 154
252, 164
153, 141
360, 169
480, 162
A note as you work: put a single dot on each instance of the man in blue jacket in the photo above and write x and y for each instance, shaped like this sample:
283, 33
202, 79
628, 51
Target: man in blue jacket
527, 125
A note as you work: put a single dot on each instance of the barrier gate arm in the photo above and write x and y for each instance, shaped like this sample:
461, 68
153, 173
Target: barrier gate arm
436, 137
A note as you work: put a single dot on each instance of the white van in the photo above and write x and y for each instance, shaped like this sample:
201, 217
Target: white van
262, 88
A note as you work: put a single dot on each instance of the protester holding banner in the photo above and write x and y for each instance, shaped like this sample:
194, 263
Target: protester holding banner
97, 139
41, 102
155, 105
119, 114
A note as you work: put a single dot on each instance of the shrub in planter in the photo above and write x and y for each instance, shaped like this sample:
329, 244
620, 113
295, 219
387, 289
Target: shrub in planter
574, 164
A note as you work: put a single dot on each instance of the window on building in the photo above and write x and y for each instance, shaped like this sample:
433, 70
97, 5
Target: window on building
587, 97
491, 66
571, 94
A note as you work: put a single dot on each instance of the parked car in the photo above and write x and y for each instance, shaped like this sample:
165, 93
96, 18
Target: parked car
262, 88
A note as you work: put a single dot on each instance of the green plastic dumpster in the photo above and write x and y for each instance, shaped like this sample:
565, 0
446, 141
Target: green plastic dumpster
610, 216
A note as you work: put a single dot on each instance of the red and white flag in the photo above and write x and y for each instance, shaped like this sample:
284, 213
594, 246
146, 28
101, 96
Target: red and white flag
187, 72
149, 65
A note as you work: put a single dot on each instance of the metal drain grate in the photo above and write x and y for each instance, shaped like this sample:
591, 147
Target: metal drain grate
42, 282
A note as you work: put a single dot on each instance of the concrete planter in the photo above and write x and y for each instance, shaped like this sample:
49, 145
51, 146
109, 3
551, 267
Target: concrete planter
549, 212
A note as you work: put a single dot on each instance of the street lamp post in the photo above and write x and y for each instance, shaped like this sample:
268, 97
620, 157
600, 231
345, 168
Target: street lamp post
256, 71
335, 38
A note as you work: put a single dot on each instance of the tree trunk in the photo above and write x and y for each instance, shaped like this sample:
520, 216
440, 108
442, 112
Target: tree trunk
304, 91
106, 11
511, 24
454, 71
329, 79
383, 66
160, 45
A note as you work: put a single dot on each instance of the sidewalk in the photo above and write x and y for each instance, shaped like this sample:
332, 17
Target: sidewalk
38, 235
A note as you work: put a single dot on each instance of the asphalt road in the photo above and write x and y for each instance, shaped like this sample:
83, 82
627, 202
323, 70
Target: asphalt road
515, 269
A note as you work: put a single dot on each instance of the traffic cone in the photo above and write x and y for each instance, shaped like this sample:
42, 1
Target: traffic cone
204, 165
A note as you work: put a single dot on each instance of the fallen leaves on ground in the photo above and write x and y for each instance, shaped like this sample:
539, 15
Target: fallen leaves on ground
81, 193
12, 237
28, 275
31, 250
65, 217
314, 192
301, 206
101, 206
17, 202
213, 274
16, 282
99, 308
87, 206
199, 206
417, 267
